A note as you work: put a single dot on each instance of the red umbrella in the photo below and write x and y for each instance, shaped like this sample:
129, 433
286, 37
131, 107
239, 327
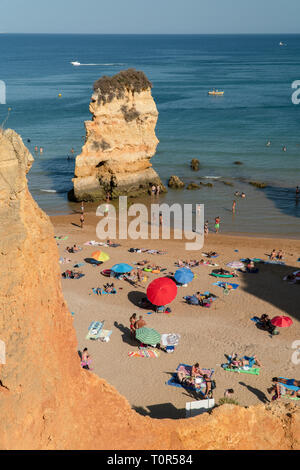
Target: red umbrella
161, 291
282, 321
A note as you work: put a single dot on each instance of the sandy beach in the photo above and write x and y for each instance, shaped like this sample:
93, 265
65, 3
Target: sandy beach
206, 333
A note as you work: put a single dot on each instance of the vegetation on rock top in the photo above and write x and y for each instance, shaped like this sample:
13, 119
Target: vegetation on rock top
109, 88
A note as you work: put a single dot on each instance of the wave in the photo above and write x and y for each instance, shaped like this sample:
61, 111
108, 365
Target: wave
48, 190
96, 65
211, 177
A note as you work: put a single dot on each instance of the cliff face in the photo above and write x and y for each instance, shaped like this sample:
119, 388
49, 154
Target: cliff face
120, 139
46, 400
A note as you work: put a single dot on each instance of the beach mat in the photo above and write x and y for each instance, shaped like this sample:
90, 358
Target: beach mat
221, 284
173, 381
252, 371
144, 353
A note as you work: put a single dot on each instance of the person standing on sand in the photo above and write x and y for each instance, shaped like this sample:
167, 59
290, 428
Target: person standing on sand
206, 229
140, 323
233, 207
81, 220
82, 207
217, 224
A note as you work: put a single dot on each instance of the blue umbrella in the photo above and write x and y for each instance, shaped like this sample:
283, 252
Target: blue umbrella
183, 276
122, 268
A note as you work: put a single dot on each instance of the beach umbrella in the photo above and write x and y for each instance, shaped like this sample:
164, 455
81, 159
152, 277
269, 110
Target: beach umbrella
100, 256
161, 291
235, 265
282, 321
183, 275
122, 268
147, 335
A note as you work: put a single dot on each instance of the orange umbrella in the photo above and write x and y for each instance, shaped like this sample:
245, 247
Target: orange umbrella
100, 256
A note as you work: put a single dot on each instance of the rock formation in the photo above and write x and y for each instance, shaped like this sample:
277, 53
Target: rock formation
175, 182
195, 164
120, 139
47, 401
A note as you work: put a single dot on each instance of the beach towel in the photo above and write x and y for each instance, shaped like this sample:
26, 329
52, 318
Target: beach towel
226, 284
289, 387
249, 370
62, 238
173, 381
78, 265
94, 330
99, 291
144, 353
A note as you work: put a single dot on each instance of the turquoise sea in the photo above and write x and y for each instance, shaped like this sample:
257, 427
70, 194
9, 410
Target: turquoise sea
255, 73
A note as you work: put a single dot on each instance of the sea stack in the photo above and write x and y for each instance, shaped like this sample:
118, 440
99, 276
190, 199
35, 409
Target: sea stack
120, 139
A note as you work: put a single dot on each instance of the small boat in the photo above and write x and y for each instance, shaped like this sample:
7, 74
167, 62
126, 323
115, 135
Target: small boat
216, 93
282, 44
76, 64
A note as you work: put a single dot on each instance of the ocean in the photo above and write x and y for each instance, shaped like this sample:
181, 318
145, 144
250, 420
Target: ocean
254, 72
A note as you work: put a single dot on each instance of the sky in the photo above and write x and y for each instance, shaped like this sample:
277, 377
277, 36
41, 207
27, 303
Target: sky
150, 17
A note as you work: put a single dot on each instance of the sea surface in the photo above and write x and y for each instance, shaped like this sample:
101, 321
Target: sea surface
254, 72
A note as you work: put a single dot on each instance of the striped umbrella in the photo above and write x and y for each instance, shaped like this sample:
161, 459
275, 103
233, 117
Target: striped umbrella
147, 335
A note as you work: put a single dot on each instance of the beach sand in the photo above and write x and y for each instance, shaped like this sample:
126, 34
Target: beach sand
206, 333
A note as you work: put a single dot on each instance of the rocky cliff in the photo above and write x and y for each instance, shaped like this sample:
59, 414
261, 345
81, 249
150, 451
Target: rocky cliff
46, 400
120, 139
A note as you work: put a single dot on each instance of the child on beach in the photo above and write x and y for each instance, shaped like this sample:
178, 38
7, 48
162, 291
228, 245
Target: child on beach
217, 224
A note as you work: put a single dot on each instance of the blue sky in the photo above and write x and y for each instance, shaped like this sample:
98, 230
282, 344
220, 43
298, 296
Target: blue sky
151, 16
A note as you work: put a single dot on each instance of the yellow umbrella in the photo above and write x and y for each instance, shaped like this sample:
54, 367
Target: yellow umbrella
100, 256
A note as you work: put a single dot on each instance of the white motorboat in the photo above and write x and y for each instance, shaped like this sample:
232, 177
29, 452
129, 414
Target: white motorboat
76, 64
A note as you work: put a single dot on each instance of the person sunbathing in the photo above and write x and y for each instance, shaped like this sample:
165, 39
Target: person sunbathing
85, 359
142, 263
280, 390
197, 372
132, 324
266, 324
295, 383
184, 379
280, 255
140, 323
244, 363
75, 248
109, 288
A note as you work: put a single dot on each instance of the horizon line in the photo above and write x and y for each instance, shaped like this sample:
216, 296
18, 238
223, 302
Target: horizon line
155, 34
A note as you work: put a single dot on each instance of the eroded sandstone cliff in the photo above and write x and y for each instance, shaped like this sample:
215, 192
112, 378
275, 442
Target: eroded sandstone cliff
120, 139
46, 400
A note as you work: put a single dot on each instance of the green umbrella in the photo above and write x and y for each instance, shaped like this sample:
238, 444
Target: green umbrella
147, 335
